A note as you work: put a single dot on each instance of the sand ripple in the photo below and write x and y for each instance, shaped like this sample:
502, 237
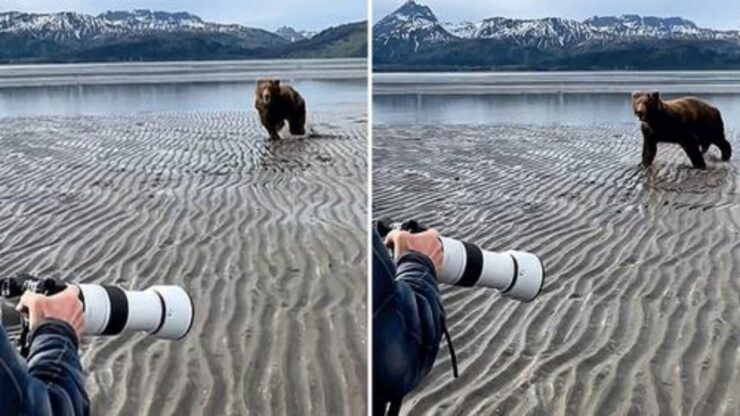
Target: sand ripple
640, 313
269, 237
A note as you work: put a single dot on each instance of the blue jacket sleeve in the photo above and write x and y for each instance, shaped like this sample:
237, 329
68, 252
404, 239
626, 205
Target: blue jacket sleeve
408, 324
52, 382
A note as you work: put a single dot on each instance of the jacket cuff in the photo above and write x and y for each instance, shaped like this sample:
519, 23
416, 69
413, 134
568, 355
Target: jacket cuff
418, 258
53, 326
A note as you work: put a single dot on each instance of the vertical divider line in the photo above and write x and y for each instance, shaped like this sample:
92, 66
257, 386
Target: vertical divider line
369, 200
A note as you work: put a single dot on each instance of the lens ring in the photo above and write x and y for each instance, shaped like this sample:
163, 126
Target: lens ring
163, 314
118, 310
516, 274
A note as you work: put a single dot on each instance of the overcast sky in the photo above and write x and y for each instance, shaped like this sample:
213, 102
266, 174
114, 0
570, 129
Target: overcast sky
266, 14
718, 14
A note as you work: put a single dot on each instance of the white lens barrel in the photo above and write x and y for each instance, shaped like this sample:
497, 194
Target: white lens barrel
499, 270
162, 311
178, 314
96, 308
453, 262
516, 274
530, 277
144, 311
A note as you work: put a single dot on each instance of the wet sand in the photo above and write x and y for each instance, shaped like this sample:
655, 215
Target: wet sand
268, 236
640, 313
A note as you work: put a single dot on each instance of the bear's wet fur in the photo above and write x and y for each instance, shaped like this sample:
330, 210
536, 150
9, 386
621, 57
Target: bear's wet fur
688, 121
277, 103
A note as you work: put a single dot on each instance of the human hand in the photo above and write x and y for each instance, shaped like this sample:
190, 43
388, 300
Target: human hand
427, 243
65, 306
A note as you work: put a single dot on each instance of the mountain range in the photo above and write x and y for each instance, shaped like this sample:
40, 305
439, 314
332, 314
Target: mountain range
412, 38
154, 35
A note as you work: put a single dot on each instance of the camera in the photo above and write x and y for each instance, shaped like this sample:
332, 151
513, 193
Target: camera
162, 311
517, 274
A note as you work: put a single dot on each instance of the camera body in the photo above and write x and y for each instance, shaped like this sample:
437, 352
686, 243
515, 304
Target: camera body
517, 274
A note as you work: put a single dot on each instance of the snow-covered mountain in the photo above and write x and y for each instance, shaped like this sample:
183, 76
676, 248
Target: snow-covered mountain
416, 21
293, 35
156, 35
558, 32
413, 23
73, 27
413, 29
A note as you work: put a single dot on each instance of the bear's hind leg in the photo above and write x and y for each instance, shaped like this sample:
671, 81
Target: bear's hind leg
298, 124
297, 127
725, 147
298, 121
694, 153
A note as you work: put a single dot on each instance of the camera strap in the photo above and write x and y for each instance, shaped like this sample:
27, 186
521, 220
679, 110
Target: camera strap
24, 345
453, 356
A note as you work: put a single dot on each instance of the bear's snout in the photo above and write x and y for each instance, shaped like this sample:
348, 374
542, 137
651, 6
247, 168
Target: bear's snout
641, 114
266, 96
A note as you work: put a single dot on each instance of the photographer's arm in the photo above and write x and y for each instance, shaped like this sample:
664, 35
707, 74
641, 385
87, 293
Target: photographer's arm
408, 318
13, 376
55, 369
52, 383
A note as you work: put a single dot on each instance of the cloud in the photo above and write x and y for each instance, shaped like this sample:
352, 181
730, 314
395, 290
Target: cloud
267, 14
719, 14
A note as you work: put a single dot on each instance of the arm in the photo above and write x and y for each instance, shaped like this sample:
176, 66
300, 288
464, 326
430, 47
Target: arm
52, 383
55, 369
13, 376
408, 322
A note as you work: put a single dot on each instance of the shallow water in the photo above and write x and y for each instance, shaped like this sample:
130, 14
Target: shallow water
536, 109
137, 98
545, 98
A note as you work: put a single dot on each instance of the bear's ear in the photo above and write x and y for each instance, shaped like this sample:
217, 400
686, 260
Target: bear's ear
636, 94
276, 82
655, 95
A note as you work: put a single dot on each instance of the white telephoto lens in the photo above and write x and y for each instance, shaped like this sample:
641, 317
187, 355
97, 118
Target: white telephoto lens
162, 311
516, 274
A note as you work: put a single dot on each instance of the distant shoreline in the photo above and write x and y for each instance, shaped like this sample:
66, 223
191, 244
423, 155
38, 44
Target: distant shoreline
570, 82
174, 72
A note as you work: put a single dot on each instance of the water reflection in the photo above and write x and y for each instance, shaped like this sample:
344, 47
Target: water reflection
537, 109
126, 99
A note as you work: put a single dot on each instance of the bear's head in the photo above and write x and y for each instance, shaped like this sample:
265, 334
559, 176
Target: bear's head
646, 105
267, 90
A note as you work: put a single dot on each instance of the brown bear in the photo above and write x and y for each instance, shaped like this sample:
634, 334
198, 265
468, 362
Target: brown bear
687, 121
277, 103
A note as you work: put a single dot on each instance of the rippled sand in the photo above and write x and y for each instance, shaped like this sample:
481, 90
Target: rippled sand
268, 236
640, 313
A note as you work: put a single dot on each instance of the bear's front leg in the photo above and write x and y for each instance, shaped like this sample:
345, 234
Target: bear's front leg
649, 150
273, 132
268, 124
694, 153
649, 145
